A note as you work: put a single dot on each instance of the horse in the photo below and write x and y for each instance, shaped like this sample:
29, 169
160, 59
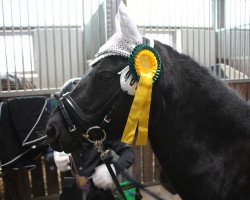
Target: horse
198, 127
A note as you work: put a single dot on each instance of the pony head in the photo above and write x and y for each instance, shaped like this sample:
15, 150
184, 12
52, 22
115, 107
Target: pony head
107, 84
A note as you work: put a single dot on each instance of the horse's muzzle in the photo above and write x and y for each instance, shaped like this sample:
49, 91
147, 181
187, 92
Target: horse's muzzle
51, 131
53, 137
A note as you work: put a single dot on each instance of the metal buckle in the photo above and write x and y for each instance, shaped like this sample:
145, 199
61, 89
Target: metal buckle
1, 171
106, 119
72, 128
87, 135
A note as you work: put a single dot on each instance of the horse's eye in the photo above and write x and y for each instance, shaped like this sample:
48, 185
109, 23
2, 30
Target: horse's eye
105, 76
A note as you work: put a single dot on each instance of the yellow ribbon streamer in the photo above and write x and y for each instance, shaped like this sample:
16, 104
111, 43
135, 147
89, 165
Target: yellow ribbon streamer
143, 121
139, 112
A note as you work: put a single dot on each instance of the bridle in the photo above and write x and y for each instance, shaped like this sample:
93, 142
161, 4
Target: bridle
66, 103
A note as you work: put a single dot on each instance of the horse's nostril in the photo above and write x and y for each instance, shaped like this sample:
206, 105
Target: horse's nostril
51, 131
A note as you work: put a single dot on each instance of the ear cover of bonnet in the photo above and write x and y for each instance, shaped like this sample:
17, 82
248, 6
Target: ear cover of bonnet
122, 43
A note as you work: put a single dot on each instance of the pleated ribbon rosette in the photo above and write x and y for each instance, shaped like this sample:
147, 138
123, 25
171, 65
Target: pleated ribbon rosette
145, 65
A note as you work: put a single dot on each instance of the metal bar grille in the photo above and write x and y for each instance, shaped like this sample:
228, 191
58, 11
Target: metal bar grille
215, 33
41, 45
42, 40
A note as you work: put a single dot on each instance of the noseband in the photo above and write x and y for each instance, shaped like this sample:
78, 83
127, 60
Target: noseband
66, 102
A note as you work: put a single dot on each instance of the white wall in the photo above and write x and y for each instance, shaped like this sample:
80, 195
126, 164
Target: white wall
234, 45
199, 44
57, 58
95, 34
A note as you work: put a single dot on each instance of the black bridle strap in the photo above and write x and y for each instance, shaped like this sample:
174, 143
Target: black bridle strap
71, 126
114, 177
113, 110
74, 107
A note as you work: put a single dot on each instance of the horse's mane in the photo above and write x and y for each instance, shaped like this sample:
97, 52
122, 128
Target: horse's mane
183, 83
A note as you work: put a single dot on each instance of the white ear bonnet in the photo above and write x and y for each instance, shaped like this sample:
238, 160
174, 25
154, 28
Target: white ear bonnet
122, 43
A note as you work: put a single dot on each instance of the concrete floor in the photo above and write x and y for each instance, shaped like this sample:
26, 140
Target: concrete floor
161, 191
157, 189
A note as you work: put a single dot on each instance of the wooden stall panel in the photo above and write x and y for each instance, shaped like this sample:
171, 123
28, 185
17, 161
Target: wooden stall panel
147, 164
137, 164
52, 180
157, 169
146, 167
248, 91
1, 186
37, 179
241, 88
16, 184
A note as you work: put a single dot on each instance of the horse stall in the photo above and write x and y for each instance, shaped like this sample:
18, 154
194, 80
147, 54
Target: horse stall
44, 43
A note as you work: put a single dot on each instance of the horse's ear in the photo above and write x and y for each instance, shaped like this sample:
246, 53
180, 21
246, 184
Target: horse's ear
126, 26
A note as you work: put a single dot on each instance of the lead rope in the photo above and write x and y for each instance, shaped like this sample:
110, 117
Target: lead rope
137, 184
104, 155
81, 181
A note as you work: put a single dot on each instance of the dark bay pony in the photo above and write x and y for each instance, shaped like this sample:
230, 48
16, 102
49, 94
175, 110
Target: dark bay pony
199, 129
